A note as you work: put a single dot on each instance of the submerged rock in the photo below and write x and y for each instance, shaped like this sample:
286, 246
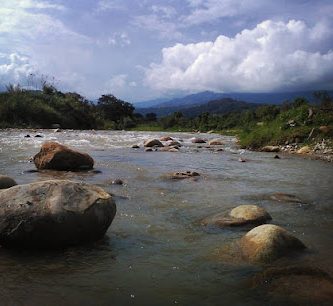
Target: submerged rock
182, 175
239, 216
268, 242
299, 285
135, 147
153, 143
54, 214
6, 182
198, 140
285, 197
56, 156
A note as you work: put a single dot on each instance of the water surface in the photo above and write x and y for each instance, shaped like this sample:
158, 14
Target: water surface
155, 253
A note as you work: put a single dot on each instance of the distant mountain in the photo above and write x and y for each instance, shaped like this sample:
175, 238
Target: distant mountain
219, 106
204, 97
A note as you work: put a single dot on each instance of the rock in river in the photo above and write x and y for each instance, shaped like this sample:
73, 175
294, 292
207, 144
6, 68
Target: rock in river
56, 156
54, 214
153, 143
6, 182
240, 215
270, 149
268, 242
182, 175
215, 142
198, 140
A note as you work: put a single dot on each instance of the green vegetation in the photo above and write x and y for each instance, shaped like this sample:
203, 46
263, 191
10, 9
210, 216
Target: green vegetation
295, 121
43, 108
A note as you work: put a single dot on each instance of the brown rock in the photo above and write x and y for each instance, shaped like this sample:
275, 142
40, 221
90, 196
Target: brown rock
198, 140
165, 138
55, 156
6, 182
304, 150
153, 143
215, 142
296, 285
270, 149
182, 175
268, 242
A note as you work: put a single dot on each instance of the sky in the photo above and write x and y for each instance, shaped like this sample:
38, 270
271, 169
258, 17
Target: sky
141, 50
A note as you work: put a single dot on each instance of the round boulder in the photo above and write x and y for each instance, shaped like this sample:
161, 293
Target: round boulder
250, 213
54, 214
268, 242
6, 182
56, 156
153, 143
239, 216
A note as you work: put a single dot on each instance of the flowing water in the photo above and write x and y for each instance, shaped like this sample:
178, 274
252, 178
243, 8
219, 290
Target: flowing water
156, 252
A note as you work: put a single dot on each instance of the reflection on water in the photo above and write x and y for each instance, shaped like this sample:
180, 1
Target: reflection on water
155, 252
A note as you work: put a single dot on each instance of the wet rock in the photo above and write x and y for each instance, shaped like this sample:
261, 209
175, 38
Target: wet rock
250, 213
153, 143
56, 156
296, 285
239, 216
148, 150
27, 136
173, 150
135, 147
57, 130
215, 142
198, 140
304, 150
219, 150
182, 175
242, 160
268, 242
276, 157
165, 138
54, 214
117, 182
174, 143
38, 136
211, 132
270, 149
6, 182
285, 197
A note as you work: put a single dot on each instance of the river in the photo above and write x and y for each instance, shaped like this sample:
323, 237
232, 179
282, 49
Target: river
156, 252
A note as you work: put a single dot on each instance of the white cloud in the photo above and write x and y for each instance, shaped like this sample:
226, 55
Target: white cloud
272, 56
109, 5
30, 4
15, 68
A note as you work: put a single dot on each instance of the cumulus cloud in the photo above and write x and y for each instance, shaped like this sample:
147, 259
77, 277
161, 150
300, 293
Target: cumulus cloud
272, 56
15, 68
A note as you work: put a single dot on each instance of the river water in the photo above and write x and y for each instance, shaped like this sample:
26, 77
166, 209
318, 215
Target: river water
156, 252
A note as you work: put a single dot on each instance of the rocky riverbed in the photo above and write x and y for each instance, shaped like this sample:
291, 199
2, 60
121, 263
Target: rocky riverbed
199, 221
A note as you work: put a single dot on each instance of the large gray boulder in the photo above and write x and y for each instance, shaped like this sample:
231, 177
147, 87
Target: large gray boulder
54, 214
268, 242
6, 182
56, 156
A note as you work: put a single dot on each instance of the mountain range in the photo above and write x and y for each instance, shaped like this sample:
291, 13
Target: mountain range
219, 103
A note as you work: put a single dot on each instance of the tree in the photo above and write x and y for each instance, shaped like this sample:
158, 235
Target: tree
113, 109
151, 117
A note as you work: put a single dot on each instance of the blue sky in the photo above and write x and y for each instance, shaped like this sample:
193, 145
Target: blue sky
146, 49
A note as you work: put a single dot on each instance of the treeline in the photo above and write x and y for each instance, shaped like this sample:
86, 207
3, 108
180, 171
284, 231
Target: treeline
292, 121
20, 108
